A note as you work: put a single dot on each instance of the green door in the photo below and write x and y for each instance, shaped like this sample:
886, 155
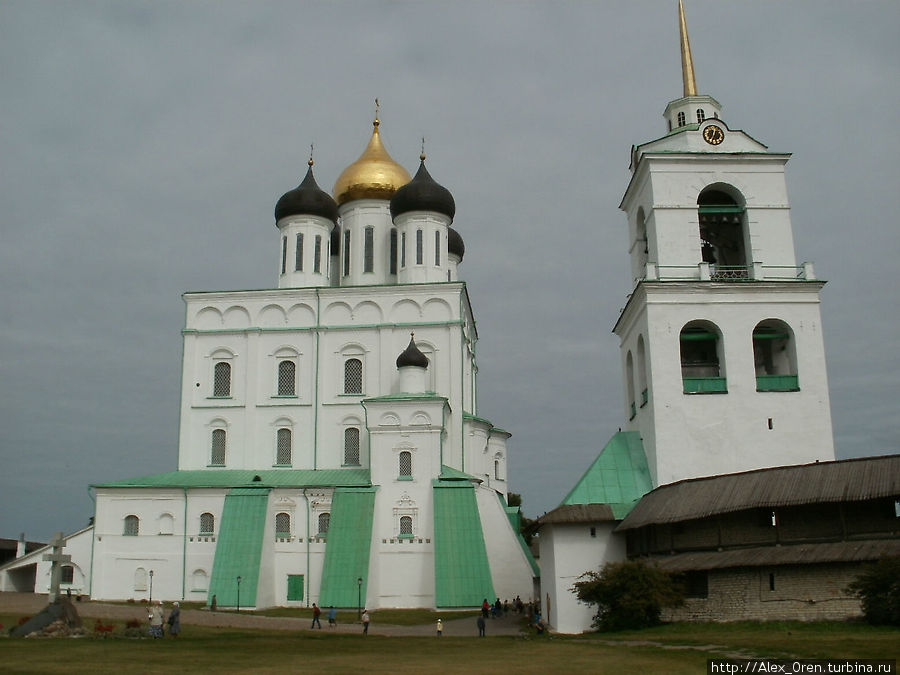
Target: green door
295, 587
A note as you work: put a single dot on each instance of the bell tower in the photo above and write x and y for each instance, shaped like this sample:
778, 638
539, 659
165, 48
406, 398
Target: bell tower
721, 337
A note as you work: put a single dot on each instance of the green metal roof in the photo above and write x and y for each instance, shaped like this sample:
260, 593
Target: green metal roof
462, 574
239, 547
347, 551
449, 473
618, 477
245, 477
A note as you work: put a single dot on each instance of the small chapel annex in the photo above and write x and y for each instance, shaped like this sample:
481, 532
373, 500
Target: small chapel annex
330, 446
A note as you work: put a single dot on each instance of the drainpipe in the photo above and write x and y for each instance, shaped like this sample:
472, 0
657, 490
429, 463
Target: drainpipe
308, 571
90, 589
184, 549
316, 381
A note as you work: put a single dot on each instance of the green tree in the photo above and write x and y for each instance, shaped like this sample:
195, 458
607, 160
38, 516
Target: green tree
628, 594
878, 587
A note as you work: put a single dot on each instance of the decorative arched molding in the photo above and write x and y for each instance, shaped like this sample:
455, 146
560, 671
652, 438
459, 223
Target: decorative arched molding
437, 309
301, 315
368, 312
208, 317
237, 316
389, 420
166, 523
337, 313
405, 311
420, 419
272, 316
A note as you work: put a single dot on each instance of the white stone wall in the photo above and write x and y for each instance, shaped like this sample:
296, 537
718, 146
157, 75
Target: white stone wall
567, 552
511, 573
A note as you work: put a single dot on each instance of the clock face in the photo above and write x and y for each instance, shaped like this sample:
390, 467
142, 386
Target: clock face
713, 134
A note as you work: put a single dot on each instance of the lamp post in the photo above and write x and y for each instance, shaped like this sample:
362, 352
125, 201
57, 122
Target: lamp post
358, 598
239, 594
151, 586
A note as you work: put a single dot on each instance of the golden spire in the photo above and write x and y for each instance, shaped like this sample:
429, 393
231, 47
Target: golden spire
687, 64
375, 175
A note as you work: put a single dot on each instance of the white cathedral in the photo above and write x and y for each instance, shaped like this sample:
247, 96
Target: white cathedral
330, 447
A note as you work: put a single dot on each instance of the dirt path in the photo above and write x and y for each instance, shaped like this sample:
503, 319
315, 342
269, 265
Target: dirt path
31, 603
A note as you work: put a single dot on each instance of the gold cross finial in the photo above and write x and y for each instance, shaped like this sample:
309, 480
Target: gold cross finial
377, 108
310, 162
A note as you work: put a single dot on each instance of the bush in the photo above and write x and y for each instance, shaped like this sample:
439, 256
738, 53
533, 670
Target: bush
878, 587
628, 594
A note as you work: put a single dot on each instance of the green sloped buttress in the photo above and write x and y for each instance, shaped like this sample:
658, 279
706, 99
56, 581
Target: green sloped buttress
348, 547
239, 547
462, 573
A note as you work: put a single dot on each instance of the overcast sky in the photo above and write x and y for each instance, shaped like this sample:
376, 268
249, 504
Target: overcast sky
143, 146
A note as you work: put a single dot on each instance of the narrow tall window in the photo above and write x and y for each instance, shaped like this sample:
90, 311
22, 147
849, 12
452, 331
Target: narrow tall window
369, 250
324, 522
207, 523
351, 446
346, 252
132, 526
405, 464
701, 115
298, 253
403, 250
283, 254
681, 119
353, 376
418, 247
393, 251
287, 378
406, 528
222, 379
283, 454
282, 525
437, 249
217, 454
317, 259
496, 469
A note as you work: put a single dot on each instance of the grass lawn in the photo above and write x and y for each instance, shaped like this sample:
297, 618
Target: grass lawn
671, 649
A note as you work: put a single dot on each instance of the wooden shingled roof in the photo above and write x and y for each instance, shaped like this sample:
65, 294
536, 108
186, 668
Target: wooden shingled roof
823, 482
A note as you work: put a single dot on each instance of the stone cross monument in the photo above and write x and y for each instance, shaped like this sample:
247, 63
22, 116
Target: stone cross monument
56, 558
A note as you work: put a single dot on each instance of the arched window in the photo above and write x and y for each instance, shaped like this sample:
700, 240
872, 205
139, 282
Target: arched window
700, 359
405, 464
317, 255
681, 119
222, 379
641, 245
217, 453
282, 525
437, 249
629, 385
346, 252
403, 250
722, 234
406, 526
324, 522
283, 453
140, 579
353, 376
642, 370
701, 115
287, 378
207, 523
369, 250
419, 247
298, 253
166, 524
283, 254
774, 356
393, 251
199, 580
496, 469
132, 526
67, 574
351, 446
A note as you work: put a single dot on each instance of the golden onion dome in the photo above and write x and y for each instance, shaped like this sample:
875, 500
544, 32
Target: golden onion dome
375, 175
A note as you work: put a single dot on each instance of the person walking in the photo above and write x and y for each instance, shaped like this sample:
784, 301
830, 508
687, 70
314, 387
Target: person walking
316, 614
480, 626
332, 617
365, 621
174, 620
440, 628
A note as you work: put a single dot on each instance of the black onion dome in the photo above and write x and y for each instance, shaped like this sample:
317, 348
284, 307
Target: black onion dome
422, 193
412, 356
455, 243
307, 199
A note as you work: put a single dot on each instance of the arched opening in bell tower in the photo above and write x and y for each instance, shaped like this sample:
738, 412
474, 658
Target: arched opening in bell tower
722, 236
701, 356
774, 357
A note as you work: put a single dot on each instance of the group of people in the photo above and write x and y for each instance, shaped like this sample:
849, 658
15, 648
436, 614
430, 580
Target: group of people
157, 619
317, 612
